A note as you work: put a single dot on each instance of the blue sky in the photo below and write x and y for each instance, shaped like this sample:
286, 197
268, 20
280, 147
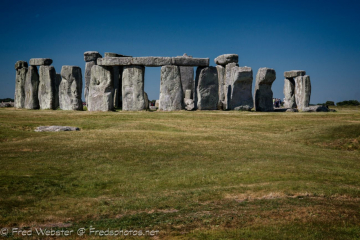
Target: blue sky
321, 37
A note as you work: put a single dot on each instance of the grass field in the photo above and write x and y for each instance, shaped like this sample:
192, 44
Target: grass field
189, 175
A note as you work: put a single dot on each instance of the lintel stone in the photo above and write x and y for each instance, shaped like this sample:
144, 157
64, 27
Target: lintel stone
40, 61
294, 73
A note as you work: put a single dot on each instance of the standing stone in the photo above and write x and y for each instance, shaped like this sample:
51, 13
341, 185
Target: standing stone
263, 94
289, 93
46, 92
228, 73
70, 88
101, 89
227, 94
208, 88
221, 78
302, 91
57, 89
187, 77
31, 88
146, 99
241, 89
90, 58
21, 70
133, 88
171, 93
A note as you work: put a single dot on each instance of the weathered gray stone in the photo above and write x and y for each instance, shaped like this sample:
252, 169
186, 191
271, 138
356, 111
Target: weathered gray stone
171, 93
40, 61
46, 94
151, 61
57, 89
221, 79
263, 94
109, 54
91, 56
101, 89
157, 103
87, 77
152, 108
117, 85
289, 93
21, 64
302, 91
133, 88
226, 58
56, 129
187, 61
292, 110
31, 88
188, 94
294, 73
227, 94
207, 89
70, 88
21, 71
243, 108
189, 104
146, 99
316, 108
114, 61
228, 73
241, 89
6, 104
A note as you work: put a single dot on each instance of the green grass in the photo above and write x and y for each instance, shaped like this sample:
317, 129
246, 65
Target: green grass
204, 174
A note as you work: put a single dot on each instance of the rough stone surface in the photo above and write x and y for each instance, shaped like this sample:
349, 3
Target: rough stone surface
292, 110
91, 56
56, 129
31, 88
19, 98
263, 95
189, 61
152, 108
188, 94
189, 104
133, 88
221, 79
241, 89
302, 91
207, 88
57, 89
46, 94
117, 85
228, 73
146, 99
87, 77
171, 93
152, 61
6, 104
157, 103
40, 61
227, 94
289, 93
109, 54
317, 108
101, 89
294, 73
70, 88
226, 58
21, 64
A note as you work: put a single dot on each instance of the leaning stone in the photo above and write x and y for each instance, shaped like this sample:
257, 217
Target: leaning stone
101, 89
189, 104
151, 61
289, 93
171, 93
146, 99
21, 71
108, 54
31, 88
228, 73
263, 99
20, 64
316, 108
188, 94
70, 88
57, 89
294, 73
46, 94
40, 61
292, 110
187, 61
91, 56
207, 89
133, 88
302, 91
241, 88
56, 129
226, 58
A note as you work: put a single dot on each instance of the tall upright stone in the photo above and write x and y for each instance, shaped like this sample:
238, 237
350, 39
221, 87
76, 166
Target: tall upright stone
241, 89
90, 58
221, 79
289, 93
187, 76
302, 91
146, 99
263, 94
101, 89
70, 88
21, 68
47, 76
133, 88
228, 73
31, 88
57, 89
207, 88
171, 93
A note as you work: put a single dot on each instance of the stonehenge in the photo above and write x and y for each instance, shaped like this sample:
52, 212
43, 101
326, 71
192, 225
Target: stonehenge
117, 81
70, 88
21, 68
